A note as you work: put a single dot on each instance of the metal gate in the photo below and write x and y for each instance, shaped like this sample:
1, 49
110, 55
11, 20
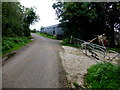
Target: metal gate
96, 51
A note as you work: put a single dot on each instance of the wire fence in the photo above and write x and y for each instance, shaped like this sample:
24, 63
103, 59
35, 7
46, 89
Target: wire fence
96, 51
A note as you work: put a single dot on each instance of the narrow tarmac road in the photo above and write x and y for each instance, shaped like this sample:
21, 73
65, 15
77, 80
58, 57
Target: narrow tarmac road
37, 66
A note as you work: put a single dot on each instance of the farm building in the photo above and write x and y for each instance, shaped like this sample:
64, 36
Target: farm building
54, 30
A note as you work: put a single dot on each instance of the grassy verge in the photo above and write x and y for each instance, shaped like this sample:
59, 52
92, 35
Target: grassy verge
114, 49
46, 35
65, 42
103, 76
10, 44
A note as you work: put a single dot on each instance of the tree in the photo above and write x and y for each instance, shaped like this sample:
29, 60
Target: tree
16, 19
29, 18
33, 31
11, 18
76, 17
86, 19
109, 14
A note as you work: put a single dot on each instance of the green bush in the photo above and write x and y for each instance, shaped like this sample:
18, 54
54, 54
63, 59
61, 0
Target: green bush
10, 42
65, 41
103, 76
6, 45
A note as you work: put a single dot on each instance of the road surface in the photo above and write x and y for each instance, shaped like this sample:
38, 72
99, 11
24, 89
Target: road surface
37, 66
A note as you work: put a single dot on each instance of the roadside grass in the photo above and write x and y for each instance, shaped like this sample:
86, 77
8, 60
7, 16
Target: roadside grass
46, 35
65, 42
103, 76
10, 44
114, 49
76, 84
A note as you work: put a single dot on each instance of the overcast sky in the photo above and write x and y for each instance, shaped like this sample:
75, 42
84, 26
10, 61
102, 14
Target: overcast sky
44, 10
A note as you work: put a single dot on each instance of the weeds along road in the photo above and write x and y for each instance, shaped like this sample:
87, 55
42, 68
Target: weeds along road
37, 66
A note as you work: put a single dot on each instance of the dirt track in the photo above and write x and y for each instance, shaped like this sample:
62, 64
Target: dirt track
37, 66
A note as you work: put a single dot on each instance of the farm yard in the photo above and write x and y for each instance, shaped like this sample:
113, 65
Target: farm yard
60, 45
76, 64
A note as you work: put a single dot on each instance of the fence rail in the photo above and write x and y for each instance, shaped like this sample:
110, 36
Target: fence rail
94, 50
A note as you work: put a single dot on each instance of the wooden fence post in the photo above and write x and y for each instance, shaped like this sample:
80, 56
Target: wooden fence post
119, 59
71, 39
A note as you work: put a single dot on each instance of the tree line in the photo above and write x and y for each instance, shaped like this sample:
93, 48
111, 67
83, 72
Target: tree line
85, 20
16, 19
